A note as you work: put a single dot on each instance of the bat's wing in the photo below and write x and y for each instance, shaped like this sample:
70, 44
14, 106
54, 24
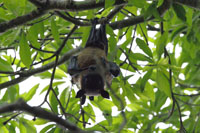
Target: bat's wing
97, 37
105, 94
73, 67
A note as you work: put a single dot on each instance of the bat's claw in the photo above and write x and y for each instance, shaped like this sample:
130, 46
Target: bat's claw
83, 98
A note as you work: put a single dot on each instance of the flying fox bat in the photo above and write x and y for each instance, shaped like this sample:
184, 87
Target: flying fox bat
90, 69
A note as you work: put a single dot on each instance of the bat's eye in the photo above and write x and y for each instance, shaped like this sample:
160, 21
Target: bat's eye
92, 68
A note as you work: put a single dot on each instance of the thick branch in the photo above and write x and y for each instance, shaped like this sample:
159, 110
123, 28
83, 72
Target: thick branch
68, 5
76, 6
21, 105
86, 5
21, 20
191, 3
26, 74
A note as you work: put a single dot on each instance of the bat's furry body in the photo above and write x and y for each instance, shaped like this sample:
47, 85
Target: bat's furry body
90, 69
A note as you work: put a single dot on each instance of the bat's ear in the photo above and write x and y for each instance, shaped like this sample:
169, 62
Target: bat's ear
114, 69
80, 93
105, 94
73, 66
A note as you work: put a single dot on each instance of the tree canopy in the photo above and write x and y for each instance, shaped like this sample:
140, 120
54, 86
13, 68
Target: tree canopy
155, 43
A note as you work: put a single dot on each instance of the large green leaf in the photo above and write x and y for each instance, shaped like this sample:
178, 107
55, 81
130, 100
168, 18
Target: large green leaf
54, 31
161, 43
28, 95
53, 100
137, 3
144, 47
5, 66
145, 79
109, 3
24, 51
180, 11
163, 82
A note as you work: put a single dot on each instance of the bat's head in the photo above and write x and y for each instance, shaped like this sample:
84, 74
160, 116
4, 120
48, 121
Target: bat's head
92, 83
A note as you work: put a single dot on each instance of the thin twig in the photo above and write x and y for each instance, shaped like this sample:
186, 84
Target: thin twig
131, 64
56, 62
184, 95
14, 116
166, 54
7, 48
39, 49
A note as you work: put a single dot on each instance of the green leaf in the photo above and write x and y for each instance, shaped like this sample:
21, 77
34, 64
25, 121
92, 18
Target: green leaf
45, 129
89, 109
109, 3
54, 84
106, 107
53, 101
144, 47
29, 127
130, 94
137, 3
160, 2
64, 96
142, 30
161, 43
32, 35
160, 99
16, 7
24, 51
5, 66
86, 32
152, 10
3, 129
178, 31
28, 96
149, 92
22, 128
139, 56
180, 11
54, 31
60, 74
135, 106
189, 16
39, 121
163, 83
117, 101
13, 93
9, 37
145, 79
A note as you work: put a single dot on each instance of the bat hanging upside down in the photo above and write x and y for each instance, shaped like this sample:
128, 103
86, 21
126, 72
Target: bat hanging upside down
90, 69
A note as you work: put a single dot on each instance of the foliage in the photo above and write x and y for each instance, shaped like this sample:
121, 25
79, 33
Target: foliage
159, 61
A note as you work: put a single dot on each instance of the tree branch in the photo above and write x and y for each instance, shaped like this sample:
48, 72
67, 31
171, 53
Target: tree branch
26, 74
76, 6
21, 105
21, 19
192, 3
